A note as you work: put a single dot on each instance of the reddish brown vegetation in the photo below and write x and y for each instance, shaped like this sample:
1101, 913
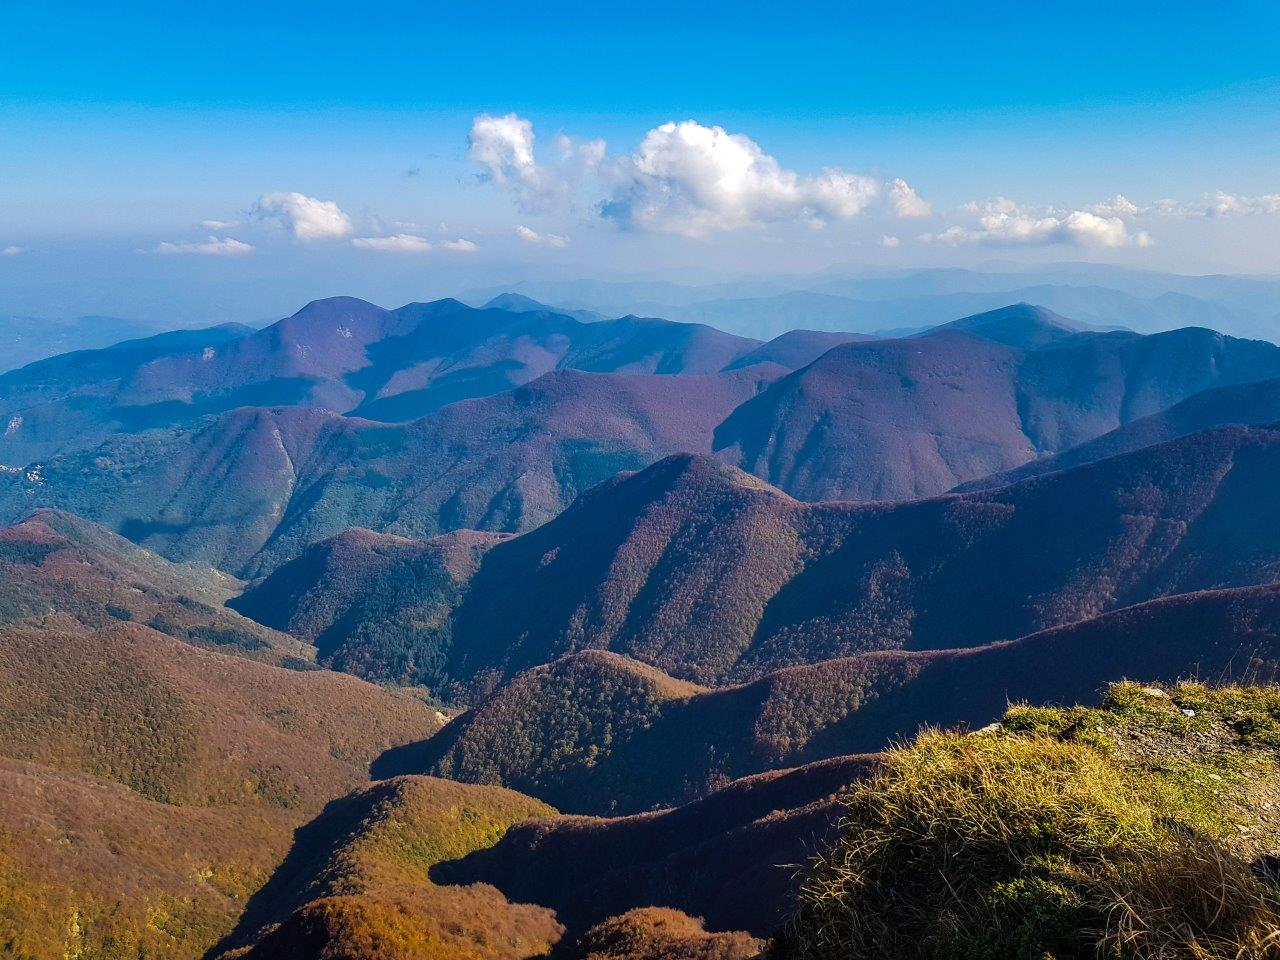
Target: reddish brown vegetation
151, 786
57, 568
657, 933
596, 733
355, 884
712, 576
731, 858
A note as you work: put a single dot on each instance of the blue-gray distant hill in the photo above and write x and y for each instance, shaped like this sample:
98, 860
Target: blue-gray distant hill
343, 355
25, 340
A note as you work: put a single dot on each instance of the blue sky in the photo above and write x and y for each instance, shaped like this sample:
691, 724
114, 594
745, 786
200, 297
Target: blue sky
123, 127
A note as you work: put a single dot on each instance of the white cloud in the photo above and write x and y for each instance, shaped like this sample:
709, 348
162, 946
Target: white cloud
1118, 206
400, 243
588, 154
591, 153
216, 226
306, 217
1168, 207
1219, 204
890, 242
505, 146
1002, 222
530, 235
1085, 229
993, 206
906, 202
212, 247
690, 179
410, 243
683, 178
12, 251
1214, 204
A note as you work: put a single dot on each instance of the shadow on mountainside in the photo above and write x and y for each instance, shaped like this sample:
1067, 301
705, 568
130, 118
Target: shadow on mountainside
314, 843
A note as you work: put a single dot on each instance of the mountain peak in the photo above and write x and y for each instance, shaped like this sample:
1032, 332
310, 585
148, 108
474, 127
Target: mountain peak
327, 307
693, 469
519, 303
514, 301
1022, 325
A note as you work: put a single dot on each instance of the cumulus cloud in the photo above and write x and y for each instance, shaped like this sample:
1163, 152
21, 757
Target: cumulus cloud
684, 178
1086, 229
1002, 222
504, 145
306, 217
906, 202
212, 247
530, 235
690, 179
12, 251
410, 243
890, 242
216, 226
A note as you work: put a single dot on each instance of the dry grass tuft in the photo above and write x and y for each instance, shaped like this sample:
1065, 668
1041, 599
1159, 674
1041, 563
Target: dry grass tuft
1120, 832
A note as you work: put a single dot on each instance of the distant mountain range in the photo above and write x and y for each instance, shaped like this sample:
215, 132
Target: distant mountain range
343, 355
146, 453
903, 301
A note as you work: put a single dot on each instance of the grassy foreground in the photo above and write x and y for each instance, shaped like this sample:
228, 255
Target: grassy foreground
1146, 828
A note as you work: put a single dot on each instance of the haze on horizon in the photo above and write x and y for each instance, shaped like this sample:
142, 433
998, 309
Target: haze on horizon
169, 165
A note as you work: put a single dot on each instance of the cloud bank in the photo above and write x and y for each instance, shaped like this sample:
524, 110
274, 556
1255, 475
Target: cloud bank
212, 247
1218, 204
1002, 222
400, 243
410, 243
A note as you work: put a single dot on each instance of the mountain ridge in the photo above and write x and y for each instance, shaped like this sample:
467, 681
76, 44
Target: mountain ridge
341, 354
909, 418
713, 576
